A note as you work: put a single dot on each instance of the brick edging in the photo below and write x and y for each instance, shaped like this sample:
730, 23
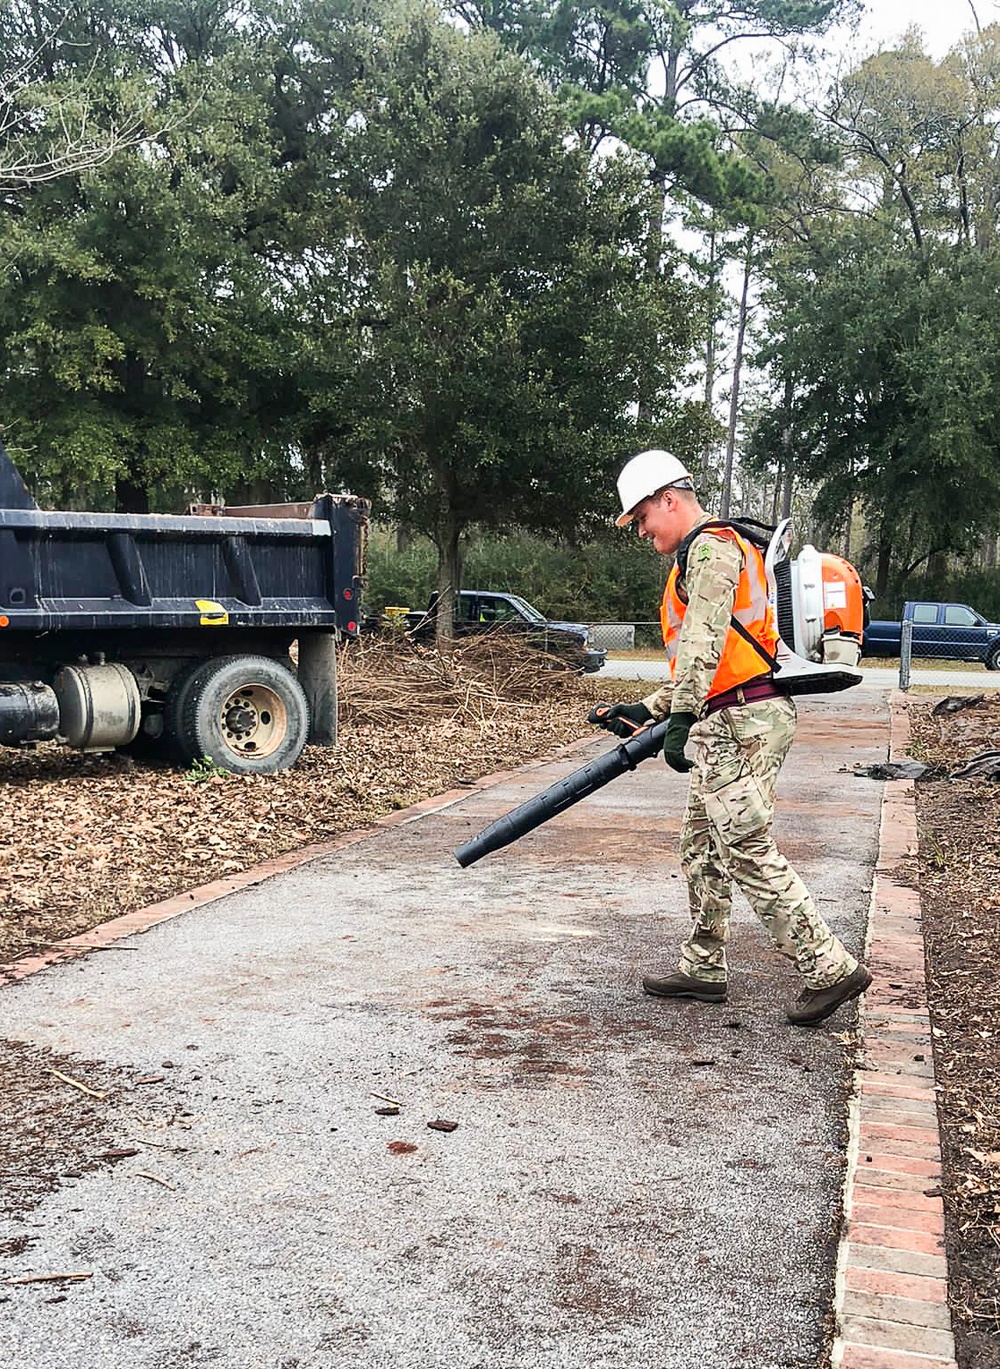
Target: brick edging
141, 919
892, 1272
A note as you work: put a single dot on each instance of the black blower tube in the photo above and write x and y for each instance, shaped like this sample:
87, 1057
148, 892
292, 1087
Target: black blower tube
563, 794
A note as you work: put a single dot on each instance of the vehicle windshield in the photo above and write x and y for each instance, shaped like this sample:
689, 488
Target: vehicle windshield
529, 610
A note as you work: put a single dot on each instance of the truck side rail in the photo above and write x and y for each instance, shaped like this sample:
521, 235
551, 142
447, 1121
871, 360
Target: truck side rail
71, 570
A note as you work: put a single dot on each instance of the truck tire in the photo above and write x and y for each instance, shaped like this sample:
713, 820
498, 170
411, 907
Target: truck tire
174, 745
993, 657
247, 714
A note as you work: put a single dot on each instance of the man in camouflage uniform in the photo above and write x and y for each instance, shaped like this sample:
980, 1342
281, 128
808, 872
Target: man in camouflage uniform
738, 752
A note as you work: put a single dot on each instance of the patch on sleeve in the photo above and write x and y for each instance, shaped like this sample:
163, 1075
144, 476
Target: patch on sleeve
704, 552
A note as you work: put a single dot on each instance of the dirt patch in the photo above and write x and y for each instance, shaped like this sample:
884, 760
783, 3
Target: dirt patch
532, 1045
959, 823
53, 1131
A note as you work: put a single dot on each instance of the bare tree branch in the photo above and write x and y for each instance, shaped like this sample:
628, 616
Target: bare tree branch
49, 130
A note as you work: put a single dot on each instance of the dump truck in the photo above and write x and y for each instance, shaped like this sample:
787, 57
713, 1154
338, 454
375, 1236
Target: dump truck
208, 636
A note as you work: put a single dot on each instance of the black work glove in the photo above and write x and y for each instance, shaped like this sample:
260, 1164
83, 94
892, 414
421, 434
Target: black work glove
675, 740
624, 720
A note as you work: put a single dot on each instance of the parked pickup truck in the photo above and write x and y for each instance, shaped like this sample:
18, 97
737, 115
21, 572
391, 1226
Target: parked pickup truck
951, 632
172, 635
479, 610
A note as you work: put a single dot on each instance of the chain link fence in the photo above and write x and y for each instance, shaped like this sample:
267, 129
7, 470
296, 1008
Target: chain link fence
615, 637
936, 636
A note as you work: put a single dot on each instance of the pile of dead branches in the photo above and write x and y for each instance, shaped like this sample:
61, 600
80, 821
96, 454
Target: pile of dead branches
390, 679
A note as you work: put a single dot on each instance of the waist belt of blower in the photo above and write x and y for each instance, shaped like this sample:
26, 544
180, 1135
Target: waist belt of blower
745, 694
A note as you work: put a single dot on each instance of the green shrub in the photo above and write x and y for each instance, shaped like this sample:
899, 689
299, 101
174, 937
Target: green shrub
398, 577
613, 580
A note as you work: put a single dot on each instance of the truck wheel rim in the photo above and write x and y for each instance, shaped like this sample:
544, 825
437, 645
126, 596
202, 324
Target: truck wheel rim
253, 721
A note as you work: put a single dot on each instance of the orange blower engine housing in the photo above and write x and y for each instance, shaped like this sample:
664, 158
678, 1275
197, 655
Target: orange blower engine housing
819, 602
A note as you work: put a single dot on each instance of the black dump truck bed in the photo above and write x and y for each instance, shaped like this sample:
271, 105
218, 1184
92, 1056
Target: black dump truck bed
160, 598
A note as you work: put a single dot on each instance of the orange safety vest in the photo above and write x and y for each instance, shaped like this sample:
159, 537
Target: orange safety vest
740, 662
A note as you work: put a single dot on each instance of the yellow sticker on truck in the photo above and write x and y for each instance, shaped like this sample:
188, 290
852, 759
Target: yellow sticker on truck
212, 614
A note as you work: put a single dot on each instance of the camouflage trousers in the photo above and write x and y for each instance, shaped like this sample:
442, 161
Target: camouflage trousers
727, 837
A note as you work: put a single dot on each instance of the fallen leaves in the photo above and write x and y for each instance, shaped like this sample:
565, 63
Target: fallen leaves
49, 1131
401, 1148
985, 1157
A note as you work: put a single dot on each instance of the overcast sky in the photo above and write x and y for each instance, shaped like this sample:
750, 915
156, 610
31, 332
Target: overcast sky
943, 21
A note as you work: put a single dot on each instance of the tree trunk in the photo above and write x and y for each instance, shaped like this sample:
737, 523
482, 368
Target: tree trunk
130, 496
449, 581
315, 475
654, 238
785, 477
937, 568
786, 491
848, 528
404, 539
734, 399
654, 256
883, 566
706, 456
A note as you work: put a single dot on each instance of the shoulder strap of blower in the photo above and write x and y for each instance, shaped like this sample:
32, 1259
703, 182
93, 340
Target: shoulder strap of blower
759, 535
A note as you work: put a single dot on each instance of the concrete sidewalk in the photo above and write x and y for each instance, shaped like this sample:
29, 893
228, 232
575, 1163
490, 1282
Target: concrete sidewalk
631, 1183
875, 677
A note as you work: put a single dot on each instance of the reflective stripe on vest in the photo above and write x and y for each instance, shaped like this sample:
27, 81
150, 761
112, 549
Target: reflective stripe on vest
739, 661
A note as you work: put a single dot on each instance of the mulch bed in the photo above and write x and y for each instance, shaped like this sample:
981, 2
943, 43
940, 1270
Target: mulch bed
959, 823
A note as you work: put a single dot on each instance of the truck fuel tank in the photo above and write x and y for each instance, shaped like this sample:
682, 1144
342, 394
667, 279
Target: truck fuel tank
99, 706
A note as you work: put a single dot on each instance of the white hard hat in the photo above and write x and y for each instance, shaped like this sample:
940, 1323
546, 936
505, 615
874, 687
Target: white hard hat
644, 475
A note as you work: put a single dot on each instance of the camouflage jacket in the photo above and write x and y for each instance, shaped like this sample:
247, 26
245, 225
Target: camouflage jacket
713, 573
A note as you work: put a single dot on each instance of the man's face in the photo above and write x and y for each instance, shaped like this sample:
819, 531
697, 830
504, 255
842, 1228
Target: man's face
663, 519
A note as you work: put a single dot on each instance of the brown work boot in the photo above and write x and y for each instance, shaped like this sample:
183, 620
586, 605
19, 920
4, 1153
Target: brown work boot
815, 1005
686, 986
